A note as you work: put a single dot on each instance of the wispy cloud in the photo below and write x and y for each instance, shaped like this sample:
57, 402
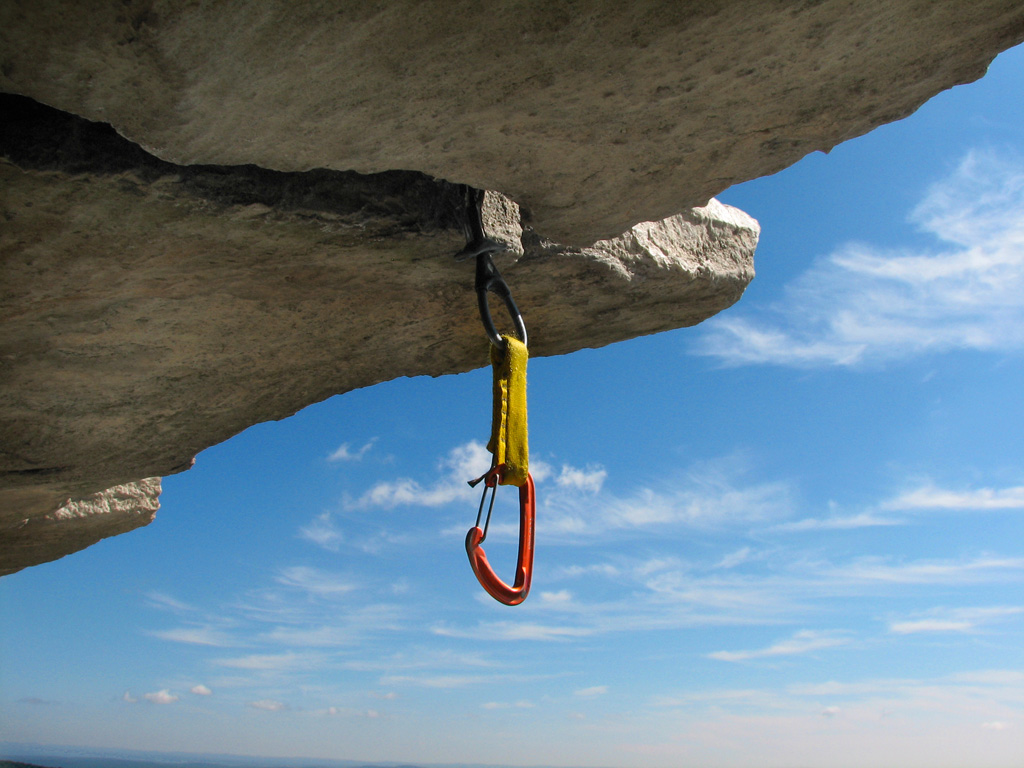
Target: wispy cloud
210, 636
734, 559
272, 662
323, 532
591, 692
420, 657
510, 630
350, 628
662, 593
953, 620
438, 681
314, 581
344, 452
709, 495
268, 705
521, 704
865, 303
875, 570
35, 701
839, 523
805, 641
932, 497
168, 603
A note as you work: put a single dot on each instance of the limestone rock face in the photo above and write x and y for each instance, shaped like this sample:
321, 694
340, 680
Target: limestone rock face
79, 523
152, 310
264, 209
591, 115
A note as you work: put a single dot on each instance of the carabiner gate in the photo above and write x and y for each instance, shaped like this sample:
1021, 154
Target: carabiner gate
495, 587
480, 247
488, 278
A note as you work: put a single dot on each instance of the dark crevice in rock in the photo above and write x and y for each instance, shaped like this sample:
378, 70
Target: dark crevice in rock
37, 137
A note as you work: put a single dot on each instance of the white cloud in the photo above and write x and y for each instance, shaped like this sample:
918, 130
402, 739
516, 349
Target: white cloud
734, 559
864, 303
805, 641
560, 597
521, 704
462, 464
591, 692
508, 630
1008, 678
268, 705
931, 497
421, 658
437, 681
929, 625
879, 722
314, 581
166, 602
589, 480
606, 570
271, 662
709, 495
346, 628
838, 523
128, 697
659, 593
953, 619
323, 532
540, 470
348, 712
344, 452
869, 570
312, 636
160, 697
201, 690
209, 636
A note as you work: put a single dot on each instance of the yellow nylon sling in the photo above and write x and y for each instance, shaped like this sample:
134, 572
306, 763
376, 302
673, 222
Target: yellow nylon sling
509, 440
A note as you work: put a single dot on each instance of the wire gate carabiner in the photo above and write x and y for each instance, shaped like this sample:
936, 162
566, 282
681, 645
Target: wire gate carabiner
508, 438
494, 586
488, 278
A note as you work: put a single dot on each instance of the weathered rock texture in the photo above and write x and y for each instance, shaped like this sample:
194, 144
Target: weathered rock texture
286, 234
77, 523
152, 310
593, 115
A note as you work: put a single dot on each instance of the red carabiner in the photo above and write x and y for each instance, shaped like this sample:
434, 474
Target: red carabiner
494, 586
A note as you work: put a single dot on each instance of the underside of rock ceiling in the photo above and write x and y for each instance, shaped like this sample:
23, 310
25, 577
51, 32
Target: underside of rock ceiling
216, 214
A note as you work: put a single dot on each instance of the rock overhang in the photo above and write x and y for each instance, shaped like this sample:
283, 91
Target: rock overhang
152, 310
300, 170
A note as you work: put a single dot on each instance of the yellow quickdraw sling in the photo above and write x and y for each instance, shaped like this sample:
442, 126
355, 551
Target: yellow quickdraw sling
509, 444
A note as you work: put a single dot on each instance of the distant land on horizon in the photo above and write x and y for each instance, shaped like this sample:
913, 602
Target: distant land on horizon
38, 756
41, 759
64, 761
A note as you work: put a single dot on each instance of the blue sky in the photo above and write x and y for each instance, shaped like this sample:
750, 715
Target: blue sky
791, 535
